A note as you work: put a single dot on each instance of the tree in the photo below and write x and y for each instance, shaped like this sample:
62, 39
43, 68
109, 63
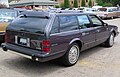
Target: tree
90, 3
108, 2
62, 5
66, 4
83, 3
75, 3
100, 2
115, 2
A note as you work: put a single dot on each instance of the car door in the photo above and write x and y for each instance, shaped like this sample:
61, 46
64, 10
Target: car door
87, 32
101, 31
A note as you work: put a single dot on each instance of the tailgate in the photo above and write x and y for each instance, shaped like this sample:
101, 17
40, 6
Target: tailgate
25, 39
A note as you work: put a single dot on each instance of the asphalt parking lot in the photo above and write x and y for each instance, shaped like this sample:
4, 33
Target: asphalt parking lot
95, 62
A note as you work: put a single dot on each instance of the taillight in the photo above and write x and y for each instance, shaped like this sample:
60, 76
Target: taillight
46, 46
46, 42
6, 37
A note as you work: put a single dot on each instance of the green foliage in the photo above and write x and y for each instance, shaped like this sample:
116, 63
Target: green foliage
108, 2
90, 3
66, 4
83, 3
57, 6
62, 5
107, 5
115, 2
100, 2
75, 3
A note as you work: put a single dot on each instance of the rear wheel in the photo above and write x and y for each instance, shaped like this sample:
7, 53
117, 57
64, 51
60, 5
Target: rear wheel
72, 55
110, 41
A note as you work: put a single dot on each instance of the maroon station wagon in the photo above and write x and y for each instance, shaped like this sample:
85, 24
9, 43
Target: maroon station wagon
46, 36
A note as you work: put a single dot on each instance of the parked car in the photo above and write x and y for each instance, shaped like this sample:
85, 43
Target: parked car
106, 12
6, 16
90, 10
96, 7
46, 36
117, 11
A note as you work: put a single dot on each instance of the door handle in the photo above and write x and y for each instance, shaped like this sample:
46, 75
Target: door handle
98, 31
87, 33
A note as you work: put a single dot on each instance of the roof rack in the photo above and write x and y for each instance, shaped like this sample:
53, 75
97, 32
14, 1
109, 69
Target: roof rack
65, 11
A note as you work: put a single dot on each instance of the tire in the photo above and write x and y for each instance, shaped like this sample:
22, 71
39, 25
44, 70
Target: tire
72, 55
110, 41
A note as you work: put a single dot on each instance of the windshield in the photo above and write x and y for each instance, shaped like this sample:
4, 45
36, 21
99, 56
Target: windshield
30, 24
7, 16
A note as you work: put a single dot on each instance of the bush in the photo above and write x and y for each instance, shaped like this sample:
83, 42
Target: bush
90, 3
107, 5
100, 2
57, 6
75, 4
83, 3
62, 5
66, 4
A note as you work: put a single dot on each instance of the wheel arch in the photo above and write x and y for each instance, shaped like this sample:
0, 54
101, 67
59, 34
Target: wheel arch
113, 31
78, 41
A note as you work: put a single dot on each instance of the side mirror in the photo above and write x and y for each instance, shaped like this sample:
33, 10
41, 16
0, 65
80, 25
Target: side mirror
105, 24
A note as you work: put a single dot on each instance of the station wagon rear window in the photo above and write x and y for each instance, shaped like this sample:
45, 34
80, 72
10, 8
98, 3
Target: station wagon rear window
31, 24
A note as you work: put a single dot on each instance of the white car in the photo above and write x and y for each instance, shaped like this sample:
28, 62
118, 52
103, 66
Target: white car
106, 12
89, 10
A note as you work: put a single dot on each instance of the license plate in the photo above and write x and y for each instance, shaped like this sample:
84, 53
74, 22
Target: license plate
23, 41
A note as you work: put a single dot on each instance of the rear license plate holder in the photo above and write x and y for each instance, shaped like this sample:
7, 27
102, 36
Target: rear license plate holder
22, 41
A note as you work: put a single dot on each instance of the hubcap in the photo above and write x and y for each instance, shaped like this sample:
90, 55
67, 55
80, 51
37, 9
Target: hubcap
111, 40
73, 54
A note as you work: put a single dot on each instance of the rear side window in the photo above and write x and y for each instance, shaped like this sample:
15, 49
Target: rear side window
68, 23
83, 21
55, 26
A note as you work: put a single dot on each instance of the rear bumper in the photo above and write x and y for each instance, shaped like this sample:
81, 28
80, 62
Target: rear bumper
42, 57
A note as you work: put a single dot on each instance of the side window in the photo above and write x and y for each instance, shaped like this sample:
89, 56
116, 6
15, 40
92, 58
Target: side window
68, 23
55, 26
83, 21
96, 21
110, 10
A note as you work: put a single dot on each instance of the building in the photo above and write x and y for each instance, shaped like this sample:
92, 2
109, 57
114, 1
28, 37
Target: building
72, 2
31, 4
